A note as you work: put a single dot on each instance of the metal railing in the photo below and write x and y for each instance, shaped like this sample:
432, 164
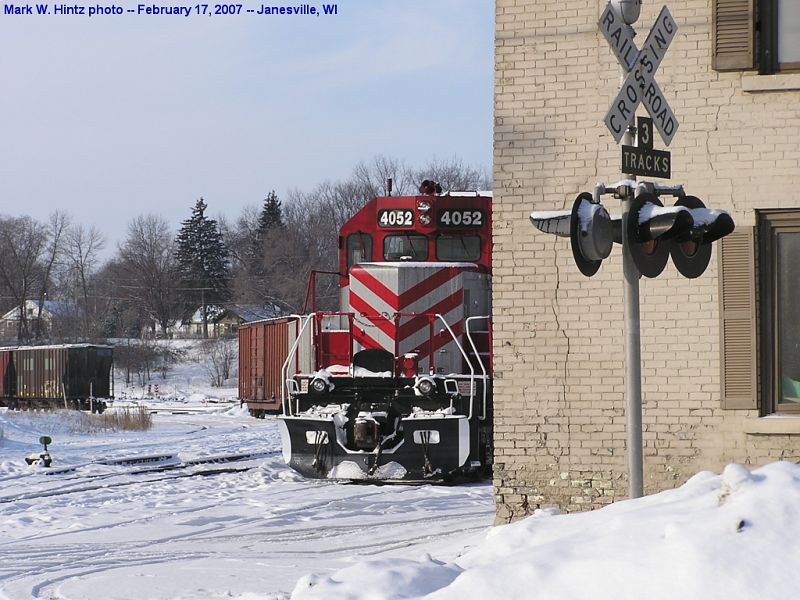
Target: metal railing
469, 364
286, 406
374, 319
478, 358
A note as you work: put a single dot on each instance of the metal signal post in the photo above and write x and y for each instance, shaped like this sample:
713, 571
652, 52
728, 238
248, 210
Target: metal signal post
633, 352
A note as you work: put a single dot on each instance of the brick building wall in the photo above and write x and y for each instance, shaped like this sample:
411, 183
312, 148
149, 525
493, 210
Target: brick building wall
558, 340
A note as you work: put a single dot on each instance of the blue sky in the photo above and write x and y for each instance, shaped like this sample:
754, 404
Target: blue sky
110, 117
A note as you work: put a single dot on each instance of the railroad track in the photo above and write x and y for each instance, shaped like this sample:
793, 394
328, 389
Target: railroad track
153, 464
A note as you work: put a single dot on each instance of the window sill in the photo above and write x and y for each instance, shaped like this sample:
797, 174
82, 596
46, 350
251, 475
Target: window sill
784, 82
773, 425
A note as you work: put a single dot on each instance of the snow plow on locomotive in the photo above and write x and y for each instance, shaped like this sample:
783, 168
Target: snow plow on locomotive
397, 384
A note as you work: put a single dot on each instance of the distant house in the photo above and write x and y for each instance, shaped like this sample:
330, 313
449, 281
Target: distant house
52, 311
224, 321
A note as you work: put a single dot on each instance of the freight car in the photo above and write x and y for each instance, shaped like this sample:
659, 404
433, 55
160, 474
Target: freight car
75, 376
397, 384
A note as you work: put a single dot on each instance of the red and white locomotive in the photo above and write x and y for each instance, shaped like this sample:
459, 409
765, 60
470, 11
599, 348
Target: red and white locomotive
397, 384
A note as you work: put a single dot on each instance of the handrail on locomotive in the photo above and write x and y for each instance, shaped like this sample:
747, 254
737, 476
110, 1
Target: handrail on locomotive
290, 384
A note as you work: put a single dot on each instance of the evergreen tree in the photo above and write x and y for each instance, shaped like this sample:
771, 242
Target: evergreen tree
271, 214
203, 262
270, 219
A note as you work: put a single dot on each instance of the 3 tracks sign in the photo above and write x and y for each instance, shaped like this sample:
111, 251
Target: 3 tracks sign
643, 159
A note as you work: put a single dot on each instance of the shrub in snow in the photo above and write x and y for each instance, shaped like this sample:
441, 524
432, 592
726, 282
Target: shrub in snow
126, 419
218, 358
72, 421
143, 357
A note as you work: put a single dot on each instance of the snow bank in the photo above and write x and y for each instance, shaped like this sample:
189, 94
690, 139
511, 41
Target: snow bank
727, 536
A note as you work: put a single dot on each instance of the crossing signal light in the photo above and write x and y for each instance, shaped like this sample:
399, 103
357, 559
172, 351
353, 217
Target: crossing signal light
654, 232
650, 228
684, 231
588, 227
691, 250
590, 233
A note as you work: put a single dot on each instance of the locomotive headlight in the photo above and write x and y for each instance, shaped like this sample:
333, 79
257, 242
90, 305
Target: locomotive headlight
423, 206
409, 365
319, 385
425, 386
424, 220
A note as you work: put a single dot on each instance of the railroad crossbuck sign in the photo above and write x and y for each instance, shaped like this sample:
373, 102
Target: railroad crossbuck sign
641, 65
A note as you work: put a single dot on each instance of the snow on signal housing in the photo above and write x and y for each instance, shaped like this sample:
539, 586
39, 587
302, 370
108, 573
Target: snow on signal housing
590, 233
684, 231
588, 227
691, 250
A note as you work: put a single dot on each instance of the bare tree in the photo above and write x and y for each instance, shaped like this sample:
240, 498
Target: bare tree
373, 177
123, 313
82, 245
149, 270
56, 226
246, 256
144, 356
453, 175
312, 221
23, 241
239, 235
220, 356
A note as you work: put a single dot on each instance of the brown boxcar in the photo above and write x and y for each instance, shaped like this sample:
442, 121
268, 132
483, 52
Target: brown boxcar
263, 346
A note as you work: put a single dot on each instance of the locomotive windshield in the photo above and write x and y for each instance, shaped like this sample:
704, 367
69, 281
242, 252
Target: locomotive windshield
359, 248
405, 247
458, 247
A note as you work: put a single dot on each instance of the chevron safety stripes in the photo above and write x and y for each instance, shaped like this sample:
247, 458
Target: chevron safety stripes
395, 304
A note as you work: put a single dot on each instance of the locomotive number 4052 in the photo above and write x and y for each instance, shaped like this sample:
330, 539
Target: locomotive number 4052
395, 218
459, 218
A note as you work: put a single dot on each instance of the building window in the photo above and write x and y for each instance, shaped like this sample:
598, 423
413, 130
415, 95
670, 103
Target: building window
789, 33
778, 24
779, 299
756, 34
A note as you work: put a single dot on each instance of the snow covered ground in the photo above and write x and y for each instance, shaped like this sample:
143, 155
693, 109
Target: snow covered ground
732, 536
241, 529
215, 513
246, 529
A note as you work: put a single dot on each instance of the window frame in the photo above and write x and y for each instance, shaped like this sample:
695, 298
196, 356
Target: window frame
408, 235
463, 238
768, 39
363, 238
771, 223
